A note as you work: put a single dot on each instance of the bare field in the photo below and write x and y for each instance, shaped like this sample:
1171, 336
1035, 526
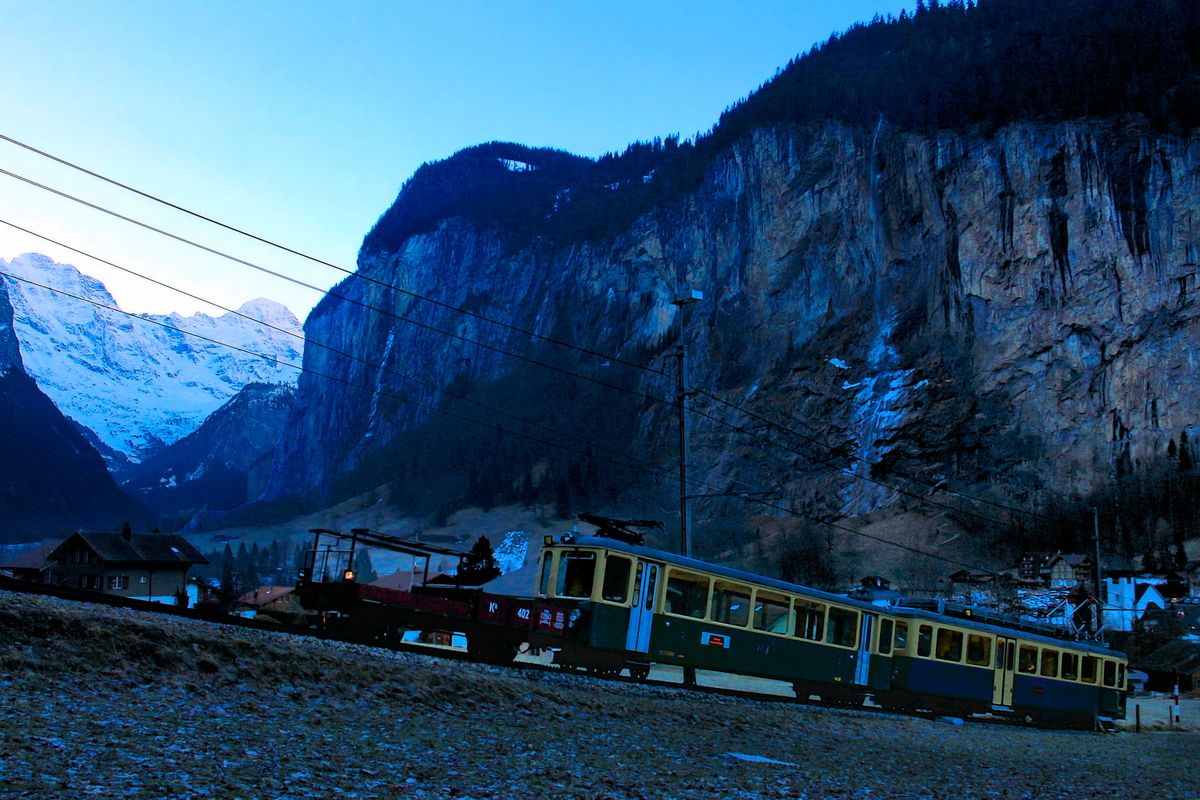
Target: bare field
110, 702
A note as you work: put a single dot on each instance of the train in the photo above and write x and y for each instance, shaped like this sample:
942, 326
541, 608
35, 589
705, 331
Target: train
607, 603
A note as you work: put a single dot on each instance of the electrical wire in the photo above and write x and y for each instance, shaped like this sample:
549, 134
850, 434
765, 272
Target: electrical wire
634, 466
922, 498
322, 262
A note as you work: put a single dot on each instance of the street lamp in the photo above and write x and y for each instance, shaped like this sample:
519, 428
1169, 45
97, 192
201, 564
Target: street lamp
685, 297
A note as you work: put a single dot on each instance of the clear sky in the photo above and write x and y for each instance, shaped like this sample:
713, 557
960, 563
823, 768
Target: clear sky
300, 120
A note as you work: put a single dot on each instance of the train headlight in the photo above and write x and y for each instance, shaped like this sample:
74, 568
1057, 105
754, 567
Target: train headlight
575, 615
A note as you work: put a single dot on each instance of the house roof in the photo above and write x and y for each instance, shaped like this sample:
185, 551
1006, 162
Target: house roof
1181, 655
264, 594
1140, 589
1074, 559
27, 558
139, 548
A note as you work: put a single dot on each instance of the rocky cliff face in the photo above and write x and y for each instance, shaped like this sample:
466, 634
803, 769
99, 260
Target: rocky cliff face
1014, 314
219, 466
51, 479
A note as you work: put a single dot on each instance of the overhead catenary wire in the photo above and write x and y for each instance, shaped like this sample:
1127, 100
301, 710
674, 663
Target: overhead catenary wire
322, 262
635, 466
294, 335
920, 497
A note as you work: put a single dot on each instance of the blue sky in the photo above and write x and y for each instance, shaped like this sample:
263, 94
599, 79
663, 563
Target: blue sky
299, 121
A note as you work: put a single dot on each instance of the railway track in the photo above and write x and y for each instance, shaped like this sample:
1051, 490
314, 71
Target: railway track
457, 654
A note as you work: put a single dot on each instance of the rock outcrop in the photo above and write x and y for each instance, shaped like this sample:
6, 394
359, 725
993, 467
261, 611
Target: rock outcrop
1013, 313
221, 465
51, 479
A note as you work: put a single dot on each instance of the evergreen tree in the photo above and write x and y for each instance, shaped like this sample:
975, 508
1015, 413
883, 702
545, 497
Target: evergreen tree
364, 571
479, 565
1186, 462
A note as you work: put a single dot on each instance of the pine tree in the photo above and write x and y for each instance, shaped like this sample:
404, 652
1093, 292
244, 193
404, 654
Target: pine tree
1186, 462
479, 565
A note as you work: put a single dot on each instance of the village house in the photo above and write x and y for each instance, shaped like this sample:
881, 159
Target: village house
141, 566
1127, 599
1069, 570
268, 600
27, 564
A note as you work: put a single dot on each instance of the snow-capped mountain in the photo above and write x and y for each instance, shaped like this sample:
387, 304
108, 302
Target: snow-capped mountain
136, 384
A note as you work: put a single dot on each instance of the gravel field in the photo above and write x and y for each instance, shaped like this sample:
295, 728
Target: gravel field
114, 703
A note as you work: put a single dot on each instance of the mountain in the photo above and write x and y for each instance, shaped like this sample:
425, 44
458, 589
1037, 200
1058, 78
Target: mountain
221, 465
51, 479
131, 380
927, 293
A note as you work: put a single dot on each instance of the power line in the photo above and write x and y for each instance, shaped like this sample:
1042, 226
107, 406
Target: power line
904, 492
300, 368
470, 420
322, 262
285, 331
331, 292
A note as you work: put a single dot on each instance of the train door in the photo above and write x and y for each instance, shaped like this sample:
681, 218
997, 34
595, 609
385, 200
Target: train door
862, 670
1006, 670
641, 613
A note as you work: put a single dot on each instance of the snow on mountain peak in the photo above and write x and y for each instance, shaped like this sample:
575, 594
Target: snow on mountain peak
135, 383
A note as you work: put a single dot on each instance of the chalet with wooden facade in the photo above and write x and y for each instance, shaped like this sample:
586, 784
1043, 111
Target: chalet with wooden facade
142, 566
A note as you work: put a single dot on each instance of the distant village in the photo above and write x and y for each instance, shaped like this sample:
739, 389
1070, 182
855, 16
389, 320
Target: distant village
1154, 616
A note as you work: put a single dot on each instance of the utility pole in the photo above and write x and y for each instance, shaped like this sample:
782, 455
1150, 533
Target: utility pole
1099, 609
685, 298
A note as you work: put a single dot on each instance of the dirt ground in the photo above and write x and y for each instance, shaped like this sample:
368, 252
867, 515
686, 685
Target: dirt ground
116, 703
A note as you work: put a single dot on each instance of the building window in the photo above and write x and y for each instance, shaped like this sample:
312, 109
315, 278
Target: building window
118, 582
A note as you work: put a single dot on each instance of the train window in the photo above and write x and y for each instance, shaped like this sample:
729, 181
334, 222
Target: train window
810, 620
1070, 666
731, 604
687, 594
843, 627
885, 637
770, 613
1027, 660
924, 640
979, 650
1049, 663
547, 573
576, 573
901, 636
1120, 676
637, 584
1110, 673
615, 588
949, 644
651, 587
1089, 669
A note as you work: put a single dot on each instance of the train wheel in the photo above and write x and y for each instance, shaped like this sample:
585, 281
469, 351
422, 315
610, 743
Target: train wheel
639, 672
491, 651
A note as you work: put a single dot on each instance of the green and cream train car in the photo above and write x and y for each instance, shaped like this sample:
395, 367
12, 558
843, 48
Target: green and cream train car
630, 607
